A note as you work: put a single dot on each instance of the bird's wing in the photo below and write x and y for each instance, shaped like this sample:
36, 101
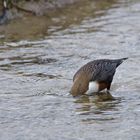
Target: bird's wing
103, 71
99, 70
87, 70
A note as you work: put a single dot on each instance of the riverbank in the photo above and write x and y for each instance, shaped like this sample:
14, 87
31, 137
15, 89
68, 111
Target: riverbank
41, 7
44, 22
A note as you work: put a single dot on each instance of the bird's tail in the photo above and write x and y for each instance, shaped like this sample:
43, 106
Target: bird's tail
121, 60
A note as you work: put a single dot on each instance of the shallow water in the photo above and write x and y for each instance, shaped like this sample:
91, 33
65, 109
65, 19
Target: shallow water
36, 74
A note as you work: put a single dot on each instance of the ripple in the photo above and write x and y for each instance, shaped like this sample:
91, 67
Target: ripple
36, 75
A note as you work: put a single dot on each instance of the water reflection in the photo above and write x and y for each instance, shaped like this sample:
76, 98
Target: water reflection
36, 75
97, 108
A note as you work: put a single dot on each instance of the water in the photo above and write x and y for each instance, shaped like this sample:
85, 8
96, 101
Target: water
37, 65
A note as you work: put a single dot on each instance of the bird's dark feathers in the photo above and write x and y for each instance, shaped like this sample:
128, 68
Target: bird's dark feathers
101, 69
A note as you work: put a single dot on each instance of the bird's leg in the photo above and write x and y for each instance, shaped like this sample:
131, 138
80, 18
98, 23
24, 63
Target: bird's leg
108, 88
108, 91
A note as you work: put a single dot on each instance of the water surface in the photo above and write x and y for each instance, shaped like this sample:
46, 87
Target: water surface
37, 65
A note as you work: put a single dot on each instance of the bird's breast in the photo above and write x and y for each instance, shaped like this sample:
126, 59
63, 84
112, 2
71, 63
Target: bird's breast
93, 87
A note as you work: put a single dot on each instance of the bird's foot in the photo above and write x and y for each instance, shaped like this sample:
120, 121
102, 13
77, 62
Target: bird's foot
108, 92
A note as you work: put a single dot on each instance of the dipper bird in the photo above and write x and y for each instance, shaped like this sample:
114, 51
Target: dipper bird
95, 76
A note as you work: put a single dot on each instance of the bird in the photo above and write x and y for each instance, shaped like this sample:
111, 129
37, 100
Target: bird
95, 76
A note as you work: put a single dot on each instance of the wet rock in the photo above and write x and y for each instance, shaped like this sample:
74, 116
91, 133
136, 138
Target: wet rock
21, 8
43, 7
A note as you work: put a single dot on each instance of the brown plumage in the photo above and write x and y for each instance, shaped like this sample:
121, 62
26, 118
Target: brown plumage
98, 72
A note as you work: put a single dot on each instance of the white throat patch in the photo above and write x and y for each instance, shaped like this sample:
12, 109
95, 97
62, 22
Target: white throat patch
92, 88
